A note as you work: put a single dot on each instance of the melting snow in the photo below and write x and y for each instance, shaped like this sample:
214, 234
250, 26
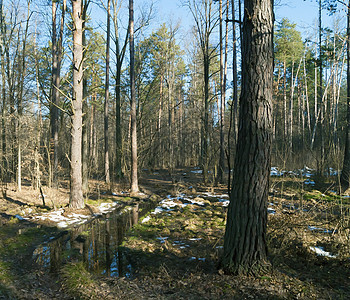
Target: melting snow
313, 228
107, 207
162, 239
146, 219
308, 181
320, 251
215, 196
197, 171
199, 258
271, 211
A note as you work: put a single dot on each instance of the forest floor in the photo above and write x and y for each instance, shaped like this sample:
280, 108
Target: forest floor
174, 250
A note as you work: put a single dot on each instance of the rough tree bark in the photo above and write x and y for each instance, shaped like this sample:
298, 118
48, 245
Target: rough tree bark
245, 237
76, 200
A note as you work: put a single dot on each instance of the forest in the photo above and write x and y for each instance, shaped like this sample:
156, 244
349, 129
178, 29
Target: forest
142, 161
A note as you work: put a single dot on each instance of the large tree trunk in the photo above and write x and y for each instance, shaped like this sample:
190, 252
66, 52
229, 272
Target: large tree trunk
345, 175
245, 248
76, 200
134, 177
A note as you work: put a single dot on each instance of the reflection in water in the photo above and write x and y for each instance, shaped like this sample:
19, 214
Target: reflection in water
97, 244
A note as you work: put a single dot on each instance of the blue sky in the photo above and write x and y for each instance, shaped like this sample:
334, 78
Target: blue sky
303, 13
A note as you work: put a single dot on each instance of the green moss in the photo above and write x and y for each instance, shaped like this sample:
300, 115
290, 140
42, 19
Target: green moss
13, 221
5, 280
77, 280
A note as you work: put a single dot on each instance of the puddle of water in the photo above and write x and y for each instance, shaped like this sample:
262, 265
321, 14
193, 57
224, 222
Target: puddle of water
97, 244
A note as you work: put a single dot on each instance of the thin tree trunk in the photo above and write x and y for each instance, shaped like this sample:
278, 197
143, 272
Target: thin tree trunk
85, 142
120, 54
222, 104
4, 170
37, 183
345, 175
107, 173
134, 176
76, 200
56, 82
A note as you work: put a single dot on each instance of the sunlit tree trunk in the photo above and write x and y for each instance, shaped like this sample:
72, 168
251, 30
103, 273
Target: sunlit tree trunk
222, 103
134, 176
345, 175
107, 173
76, 200
245, 248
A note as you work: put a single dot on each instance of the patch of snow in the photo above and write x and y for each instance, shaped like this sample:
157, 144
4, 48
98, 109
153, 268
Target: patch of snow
194, 201
320, 251
62, 224
114, 194
78, 216
271, 211
275, 172
308, 181
208, 194
146, 219
195, 239
197, 171
158, 210
224, 202
162, 239
333, 172
313, 228
107, 207
199, 258
219, 247
184, 174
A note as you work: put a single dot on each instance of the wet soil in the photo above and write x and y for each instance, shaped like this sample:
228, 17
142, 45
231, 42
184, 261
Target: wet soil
175, 254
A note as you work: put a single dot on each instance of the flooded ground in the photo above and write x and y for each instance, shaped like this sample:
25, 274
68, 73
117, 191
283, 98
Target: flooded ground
96, 243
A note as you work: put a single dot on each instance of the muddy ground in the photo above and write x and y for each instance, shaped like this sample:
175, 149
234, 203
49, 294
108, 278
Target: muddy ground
175, 254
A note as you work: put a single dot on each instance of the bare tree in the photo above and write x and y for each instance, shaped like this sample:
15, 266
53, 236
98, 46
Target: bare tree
204, 17
107, 173
57, 49
134, 176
